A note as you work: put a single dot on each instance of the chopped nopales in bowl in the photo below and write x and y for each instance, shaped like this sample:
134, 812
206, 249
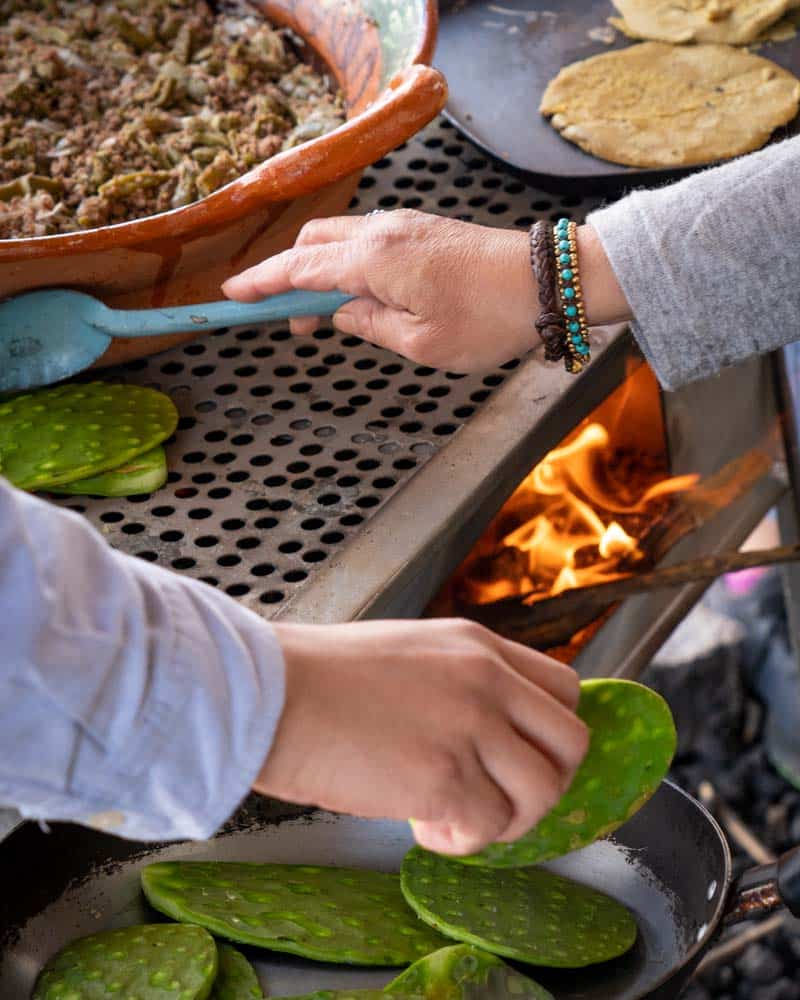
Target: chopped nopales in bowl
116, 111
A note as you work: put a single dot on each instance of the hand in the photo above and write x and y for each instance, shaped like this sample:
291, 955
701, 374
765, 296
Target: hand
473, 736
443, 293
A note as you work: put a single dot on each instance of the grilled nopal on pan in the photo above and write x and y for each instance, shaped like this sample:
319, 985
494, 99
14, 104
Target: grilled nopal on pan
460, 972
345, 915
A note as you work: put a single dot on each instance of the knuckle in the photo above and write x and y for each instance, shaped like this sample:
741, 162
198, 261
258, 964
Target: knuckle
446, 776
309, 232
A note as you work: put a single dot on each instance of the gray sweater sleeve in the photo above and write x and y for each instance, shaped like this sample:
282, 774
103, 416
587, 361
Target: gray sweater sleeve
711, 265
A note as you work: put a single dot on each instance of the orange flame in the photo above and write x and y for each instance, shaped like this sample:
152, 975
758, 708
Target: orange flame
566, 521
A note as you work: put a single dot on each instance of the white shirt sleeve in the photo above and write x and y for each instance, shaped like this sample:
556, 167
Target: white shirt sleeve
131, 699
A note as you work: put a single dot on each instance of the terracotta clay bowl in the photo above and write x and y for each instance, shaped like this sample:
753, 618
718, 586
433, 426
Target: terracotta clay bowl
378, 51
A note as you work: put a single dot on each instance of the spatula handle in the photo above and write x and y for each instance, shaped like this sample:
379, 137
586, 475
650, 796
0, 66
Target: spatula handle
213, 315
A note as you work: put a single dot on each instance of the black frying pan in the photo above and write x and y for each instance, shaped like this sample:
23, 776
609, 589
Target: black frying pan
498, 57
670, 864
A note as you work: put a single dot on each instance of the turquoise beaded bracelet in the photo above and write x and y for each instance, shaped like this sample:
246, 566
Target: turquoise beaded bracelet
569, 289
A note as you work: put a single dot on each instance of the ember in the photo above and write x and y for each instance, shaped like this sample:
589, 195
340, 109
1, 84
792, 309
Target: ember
583, 514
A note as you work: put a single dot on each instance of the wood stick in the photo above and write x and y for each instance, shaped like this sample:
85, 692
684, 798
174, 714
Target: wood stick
556, 619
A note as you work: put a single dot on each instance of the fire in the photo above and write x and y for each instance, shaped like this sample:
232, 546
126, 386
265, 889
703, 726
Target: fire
577, 519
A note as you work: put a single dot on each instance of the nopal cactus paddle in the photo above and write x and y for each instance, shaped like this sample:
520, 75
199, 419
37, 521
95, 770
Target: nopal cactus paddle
523, 913
464, 972
459, 972
55, 436
236, 977
632, 743
149, 962
344, 915
144, 474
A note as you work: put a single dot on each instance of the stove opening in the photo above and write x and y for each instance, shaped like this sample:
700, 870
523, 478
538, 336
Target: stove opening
604, 504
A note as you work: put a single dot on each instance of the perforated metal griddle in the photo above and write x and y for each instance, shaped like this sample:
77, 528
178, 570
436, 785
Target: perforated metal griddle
287, 448
498, 58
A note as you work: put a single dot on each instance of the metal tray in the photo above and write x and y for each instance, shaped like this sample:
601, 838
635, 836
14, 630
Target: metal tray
498, 59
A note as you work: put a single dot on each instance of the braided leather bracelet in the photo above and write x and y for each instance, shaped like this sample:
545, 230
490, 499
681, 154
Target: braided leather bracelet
550, 323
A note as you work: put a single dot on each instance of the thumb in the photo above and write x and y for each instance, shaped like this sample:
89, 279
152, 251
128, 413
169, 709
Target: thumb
373, 321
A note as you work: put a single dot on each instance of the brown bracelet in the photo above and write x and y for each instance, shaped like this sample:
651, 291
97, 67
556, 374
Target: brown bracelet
550, 323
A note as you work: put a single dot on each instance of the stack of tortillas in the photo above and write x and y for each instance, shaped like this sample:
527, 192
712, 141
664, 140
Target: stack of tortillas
685, 97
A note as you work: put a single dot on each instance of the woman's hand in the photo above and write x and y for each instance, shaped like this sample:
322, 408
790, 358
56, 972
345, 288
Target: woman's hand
444, 293
473, 736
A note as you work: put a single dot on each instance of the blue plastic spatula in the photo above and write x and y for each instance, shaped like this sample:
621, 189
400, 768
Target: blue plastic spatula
49, 335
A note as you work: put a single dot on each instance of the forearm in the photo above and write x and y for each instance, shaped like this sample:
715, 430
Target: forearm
709, 266
130, 698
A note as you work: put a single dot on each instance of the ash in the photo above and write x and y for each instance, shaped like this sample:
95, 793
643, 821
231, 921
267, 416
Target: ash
728, 663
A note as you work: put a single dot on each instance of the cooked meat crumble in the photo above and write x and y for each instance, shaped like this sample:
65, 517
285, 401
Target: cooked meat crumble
116, 111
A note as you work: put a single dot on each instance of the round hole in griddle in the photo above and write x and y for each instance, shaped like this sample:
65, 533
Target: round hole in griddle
199, 513
266, 523
233, 524
332, 537
263, 569
206, 541
229, 560
272, 597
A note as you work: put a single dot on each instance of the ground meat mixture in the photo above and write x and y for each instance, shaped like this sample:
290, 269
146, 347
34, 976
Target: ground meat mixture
116, 111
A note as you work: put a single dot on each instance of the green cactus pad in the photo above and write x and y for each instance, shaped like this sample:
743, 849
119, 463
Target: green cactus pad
525, 913
343, 915
463, 972
149, 962
144, 474
236, 978
55, 436
340, 995
633, 741
460, 972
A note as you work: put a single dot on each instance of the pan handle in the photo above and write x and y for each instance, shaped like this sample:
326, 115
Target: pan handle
767, 887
